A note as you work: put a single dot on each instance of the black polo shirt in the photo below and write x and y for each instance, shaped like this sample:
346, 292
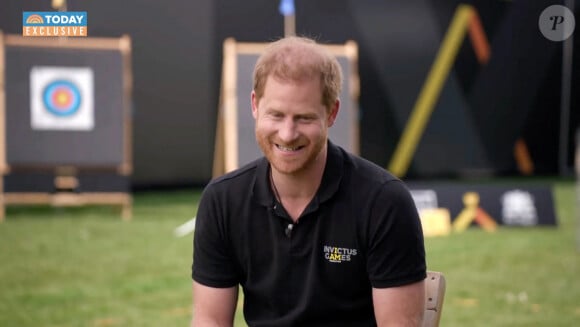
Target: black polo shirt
361, 230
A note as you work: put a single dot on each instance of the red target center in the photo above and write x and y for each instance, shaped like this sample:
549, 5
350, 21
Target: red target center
62, 97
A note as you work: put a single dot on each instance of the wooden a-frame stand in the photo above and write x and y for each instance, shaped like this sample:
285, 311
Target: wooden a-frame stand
65, 177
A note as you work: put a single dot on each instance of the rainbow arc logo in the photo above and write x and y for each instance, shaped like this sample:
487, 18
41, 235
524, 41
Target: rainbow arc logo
34, 19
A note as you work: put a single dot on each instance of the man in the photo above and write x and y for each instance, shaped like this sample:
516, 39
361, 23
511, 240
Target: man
313, 235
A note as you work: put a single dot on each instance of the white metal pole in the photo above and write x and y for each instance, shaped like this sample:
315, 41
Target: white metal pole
565, 95
577, 207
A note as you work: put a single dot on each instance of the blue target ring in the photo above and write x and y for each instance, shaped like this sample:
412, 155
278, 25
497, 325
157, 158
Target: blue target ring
62, 98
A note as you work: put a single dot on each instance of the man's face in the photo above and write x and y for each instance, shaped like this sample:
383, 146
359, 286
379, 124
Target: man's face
292, 123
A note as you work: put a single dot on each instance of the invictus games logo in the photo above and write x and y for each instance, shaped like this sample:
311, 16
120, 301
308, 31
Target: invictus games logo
337, 255
48, 23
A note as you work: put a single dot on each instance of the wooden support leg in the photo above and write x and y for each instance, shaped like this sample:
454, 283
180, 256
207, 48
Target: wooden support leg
127, 211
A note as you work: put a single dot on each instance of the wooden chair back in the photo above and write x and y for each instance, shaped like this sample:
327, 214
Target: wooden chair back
434, 296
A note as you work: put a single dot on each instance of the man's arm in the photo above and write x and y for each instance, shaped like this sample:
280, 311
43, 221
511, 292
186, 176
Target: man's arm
400, 306
213, 307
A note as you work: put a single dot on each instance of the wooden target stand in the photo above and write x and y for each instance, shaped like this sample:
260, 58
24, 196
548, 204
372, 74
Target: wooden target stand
67, 177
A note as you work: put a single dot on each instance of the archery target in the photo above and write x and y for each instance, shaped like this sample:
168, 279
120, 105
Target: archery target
62, 98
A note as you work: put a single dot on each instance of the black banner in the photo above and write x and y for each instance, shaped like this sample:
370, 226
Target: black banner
509, 205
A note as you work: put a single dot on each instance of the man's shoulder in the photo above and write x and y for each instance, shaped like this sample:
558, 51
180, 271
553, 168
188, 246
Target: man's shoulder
365, 170
239, 177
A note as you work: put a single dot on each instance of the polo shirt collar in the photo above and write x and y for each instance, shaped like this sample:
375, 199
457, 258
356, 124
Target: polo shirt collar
333, 172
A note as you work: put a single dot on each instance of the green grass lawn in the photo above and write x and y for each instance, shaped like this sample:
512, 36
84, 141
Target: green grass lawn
87, 267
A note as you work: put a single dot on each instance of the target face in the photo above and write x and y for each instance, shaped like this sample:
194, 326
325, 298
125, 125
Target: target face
61, 98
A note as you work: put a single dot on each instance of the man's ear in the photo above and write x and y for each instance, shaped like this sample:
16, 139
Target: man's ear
333, 113
254, 105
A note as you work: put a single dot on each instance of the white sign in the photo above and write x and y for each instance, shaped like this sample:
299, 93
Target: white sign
62, 98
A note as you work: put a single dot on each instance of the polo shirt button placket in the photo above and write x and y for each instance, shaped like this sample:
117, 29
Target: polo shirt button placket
288, 230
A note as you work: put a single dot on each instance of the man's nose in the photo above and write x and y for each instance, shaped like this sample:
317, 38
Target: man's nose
288, 131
